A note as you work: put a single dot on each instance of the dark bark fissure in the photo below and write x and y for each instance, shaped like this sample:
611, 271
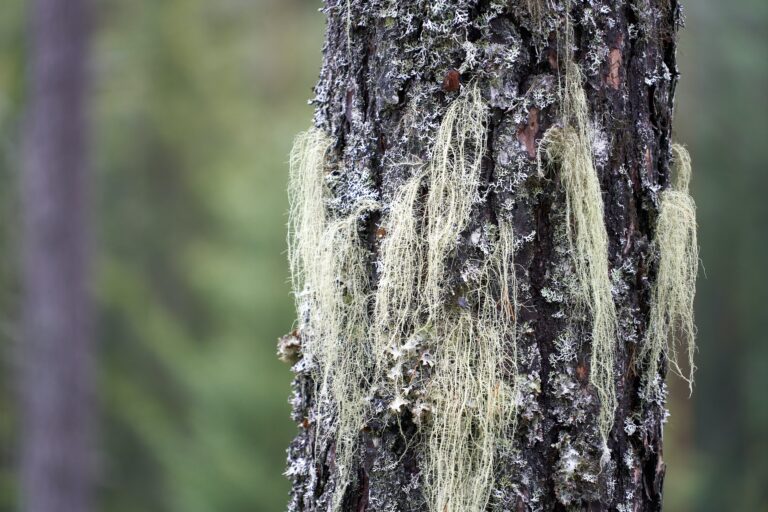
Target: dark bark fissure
383, 90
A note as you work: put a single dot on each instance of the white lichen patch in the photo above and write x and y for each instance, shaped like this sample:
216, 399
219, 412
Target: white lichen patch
577, 473
552, 295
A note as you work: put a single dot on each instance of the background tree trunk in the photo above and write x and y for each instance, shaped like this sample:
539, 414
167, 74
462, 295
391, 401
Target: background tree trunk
390, 71
56, 373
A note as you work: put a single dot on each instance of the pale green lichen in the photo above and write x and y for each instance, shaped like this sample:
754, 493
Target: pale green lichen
339, 321
331, 284
453, 179
571, 148
671, 327
401, 267
307, 216
471, 405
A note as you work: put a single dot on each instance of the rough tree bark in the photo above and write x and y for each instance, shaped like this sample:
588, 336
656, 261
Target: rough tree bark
56, 370
390, 71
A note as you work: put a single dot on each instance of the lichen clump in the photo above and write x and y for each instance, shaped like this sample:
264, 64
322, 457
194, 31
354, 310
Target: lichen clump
671, 328
472, 407
353, 334
401, 267
570, 147
363, 314
331, 283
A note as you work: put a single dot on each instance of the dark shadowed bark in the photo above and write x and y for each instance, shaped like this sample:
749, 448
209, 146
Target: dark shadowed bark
56, 369
390, 71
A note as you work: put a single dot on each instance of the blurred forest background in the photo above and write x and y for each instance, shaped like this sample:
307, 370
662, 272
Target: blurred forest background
194, 106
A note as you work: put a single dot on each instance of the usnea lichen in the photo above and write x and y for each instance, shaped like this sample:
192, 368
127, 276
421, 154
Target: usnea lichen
671, 328
352, 327
386, 107
471, 405
570, 147
401, 267
340, 323
331, 283
453, 179
474, 406
307, 216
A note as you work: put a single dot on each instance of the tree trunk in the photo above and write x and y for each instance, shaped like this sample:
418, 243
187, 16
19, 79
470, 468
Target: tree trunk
56, 369
391, 71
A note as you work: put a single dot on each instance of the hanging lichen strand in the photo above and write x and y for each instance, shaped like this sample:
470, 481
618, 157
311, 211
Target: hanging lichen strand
467, 391
397, 306
471, 347
474, 407
453, 181
468, 348
537, 9
671, 326
331, 284
307, 217
570, 147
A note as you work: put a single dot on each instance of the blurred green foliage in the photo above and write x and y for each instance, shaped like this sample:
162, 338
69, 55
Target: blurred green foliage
717, 445
11, 92
194, 107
